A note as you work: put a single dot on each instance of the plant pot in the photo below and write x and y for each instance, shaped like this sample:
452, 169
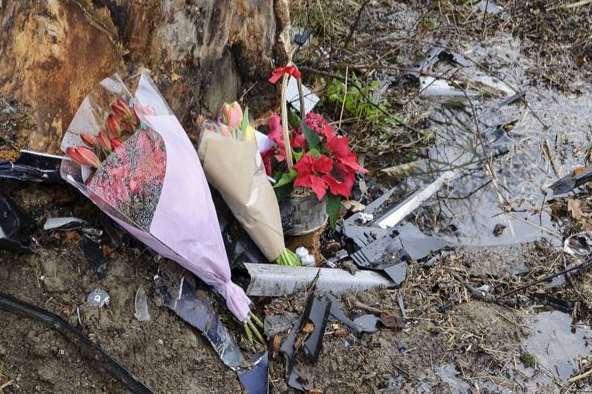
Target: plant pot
302, 213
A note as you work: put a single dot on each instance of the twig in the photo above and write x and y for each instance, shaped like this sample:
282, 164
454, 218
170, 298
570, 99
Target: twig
582, 375
551, 158
547, 278
344, 97
354, 25
568, 6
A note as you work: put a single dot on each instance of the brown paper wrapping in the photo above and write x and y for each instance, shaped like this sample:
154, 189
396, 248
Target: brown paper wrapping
235, 169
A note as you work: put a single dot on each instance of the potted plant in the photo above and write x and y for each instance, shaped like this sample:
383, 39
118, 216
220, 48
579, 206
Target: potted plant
313, 166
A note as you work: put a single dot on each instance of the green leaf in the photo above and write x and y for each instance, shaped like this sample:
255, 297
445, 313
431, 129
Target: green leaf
244, 122
293, 119
286, 178
311, 137
297, 155
314, 153
333, 209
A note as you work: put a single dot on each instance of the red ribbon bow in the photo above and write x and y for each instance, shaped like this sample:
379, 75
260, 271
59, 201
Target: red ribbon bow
280, 71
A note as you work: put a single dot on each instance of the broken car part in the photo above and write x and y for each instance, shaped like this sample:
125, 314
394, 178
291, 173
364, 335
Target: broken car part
572, 181
12, 305
196, 308
271, 280
32, 167
15, 226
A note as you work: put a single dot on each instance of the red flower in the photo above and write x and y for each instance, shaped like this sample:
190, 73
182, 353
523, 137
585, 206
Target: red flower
340, 150
124, 112
89, 139
314, 174
319, 125
112, 126
83, 156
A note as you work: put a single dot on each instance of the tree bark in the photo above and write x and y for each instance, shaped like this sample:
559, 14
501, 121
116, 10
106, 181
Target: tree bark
200, 52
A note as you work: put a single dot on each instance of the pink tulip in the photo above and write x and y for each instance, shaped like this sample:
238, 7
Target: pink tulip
89, 139
112, 126
232, 114
83, 156
104, 142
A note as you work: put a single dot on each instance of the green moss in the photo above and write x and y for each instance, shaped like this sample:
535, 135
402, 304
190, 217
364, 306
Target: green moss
528, 359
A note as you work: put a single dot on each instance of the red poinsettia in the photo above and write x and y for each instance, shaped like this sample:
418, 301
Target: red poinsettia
314, 173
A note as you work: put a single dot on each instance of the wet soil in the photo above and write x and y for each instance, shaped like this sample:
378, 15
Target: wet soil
452, 341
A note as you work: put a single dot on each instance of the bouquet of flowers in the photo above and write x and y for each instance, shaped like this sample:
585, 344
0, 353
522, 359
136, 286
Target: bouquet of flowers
233, 165
323, 161
311, 156
132, 158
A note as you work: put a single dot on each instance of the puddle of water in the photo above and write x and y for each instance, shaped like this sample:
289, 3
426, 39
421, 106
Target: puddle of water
503, 189
554, 345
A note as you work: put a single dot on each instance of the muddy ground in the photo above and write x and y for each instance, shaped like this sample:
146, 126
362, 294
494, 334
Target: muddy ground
452, 340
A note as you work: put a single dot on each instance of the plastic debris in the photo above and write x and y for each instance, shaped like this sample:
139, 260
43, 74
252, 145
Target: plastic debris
488, 6
270, 280
308, 261
98, 298
579, 245
305, 257
570, 182
414, 201
14, 226
443, 90
92, 251
368, 322
64, 224
74, 335
397, 273
338, 314
179, 294
32, 167
312, 325
141, 305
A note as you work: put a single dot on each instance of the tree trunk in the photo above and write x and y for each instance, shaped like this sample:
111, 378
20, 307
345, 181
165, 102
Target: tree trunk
200, 52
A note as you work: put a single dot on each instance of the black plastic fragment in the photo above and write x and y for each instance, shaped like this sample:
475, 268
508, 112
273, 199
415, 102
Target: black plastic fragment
570, 182
15, 226
56, 323
317, 312
91, 249
32, 167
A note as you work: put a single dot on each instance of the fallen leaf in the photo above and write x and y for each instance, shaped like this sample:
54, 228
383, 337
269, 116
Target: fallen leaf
574, 207
390, 320
276, 345
308, 327
72, 236
341, 333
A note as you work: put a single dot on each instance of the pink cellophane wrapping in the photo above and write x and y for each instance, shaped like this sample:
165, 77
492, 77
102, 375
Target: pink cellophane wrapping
174, 215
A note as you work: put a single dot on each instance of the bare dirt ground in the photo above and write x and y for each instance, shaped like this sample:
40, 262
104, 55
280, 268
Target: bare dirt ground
452, 341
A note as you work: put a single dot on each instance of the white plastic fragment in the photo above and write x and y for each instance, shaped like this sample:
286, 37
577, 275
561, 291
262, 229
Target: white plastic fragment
57, 223
401, 211
366, 217
308, 260
272, 280
141, 305
302, 252
439, 88
98, 298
